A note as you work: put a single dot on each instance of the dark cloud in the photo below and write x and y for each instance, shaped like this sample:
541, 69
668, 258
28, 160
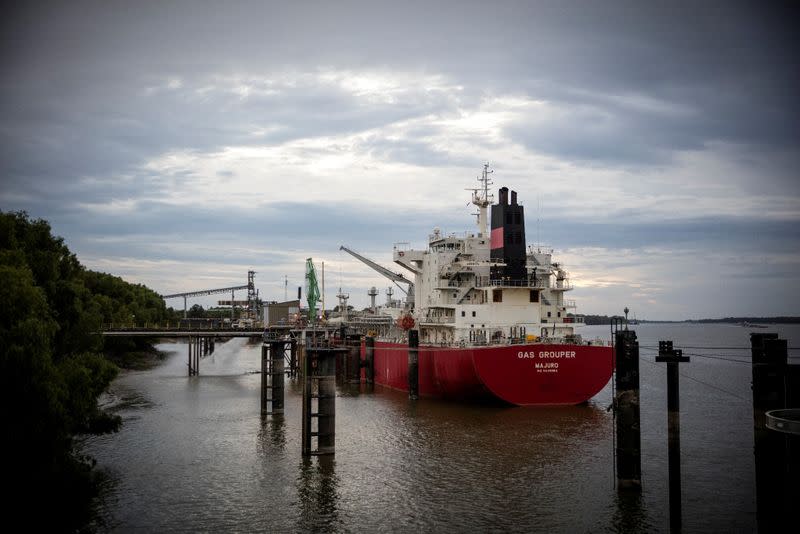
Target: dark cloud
91, 90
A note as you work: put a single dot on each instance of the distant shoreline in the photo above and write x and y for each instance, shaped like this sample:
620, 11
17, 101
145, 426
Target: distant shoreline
605, 319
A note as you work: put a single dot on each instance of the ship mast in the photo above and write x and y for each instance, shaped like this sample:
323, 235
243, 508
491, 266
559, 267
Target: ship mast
482, 199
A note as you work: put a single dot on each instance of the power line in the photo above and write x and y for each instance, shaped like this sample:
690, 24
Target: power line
700, 382
746, 362
715, 348
715, 387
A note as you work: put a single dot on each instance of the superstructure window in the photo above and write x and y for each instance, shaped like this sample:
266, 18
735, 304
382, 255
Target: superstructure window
549, 314
497, 295
473, 314
534, 295
463, 314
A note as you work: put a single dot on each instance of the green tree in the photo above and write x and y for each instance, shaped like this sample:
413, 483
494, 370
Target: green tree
50, 374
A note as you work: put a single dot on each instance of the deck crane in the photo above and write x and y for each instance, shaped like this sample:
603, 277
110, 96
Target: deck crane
394, 277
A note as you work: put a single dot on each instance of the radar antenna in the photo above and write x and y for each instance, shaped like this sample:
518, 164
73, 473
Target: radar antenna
483, 199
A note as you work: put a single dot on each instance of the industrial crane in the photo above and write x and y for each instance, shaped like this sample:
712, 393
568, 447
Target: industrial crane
394, 277
312, 290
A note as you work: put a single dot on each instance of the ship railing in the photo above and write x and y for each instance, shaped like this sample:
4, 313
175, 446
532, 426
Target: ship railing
439, 320
532, 283
565, 286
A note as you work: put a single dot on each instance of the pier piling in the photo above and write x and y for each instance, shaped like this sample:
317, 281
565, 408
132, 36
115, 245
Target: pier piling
320, 368
264, 378
273, 354
413, 364
354, 359
773, 484
293, 358
277, 350
369, 359
626, 403
672, 358
190, 363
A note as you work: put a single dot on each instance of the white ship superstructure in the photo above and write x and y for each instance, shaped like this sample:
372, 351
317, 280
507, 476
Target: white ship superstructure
487, 287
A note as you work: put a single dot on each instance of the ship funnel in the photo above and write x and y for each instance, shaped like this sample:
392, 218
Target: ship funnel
513, 198
503, 196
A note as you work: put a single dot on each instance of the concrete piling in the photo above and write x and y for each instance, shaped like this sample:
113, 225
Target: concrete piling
277, 351
319, 369
272, 377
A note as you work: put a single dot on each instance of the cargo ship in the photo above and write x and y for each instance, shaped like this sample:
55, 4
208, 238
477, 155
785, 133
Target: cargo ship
491, 315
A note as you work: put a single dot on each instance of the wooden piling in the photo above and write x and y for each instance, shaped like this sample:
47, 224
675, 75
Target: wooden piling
626, 403
413, 364
672, 358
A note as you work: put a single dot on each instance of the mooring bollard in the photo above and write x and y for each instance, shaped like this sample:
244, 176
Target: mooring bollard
626, 403
413, 364
672, 358
369, 359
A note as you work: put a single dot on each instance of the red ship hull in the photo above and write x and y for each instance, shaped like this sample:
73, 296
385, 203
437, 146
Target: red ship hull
524, 375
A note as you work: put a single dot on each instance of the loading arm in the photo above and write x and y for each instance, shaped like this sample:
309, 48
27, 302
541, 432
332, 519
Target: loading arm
394, 277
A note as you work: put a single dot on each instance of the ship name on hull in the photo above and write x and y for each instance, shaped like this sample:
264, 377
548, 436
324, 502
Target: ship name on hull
545, 354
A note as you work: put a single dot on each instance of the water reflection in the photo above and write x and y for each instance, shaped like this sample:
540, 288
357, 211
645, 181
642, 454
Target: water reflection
630, 515
272, 433
317, 492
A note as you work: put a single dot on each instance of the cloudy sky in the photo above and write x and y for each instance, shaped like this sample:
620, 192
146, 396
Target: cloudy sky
179, 144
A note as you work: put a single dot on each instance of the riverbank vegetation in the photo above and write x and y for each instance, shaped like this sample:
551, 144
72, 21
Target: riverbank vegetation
52, 368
